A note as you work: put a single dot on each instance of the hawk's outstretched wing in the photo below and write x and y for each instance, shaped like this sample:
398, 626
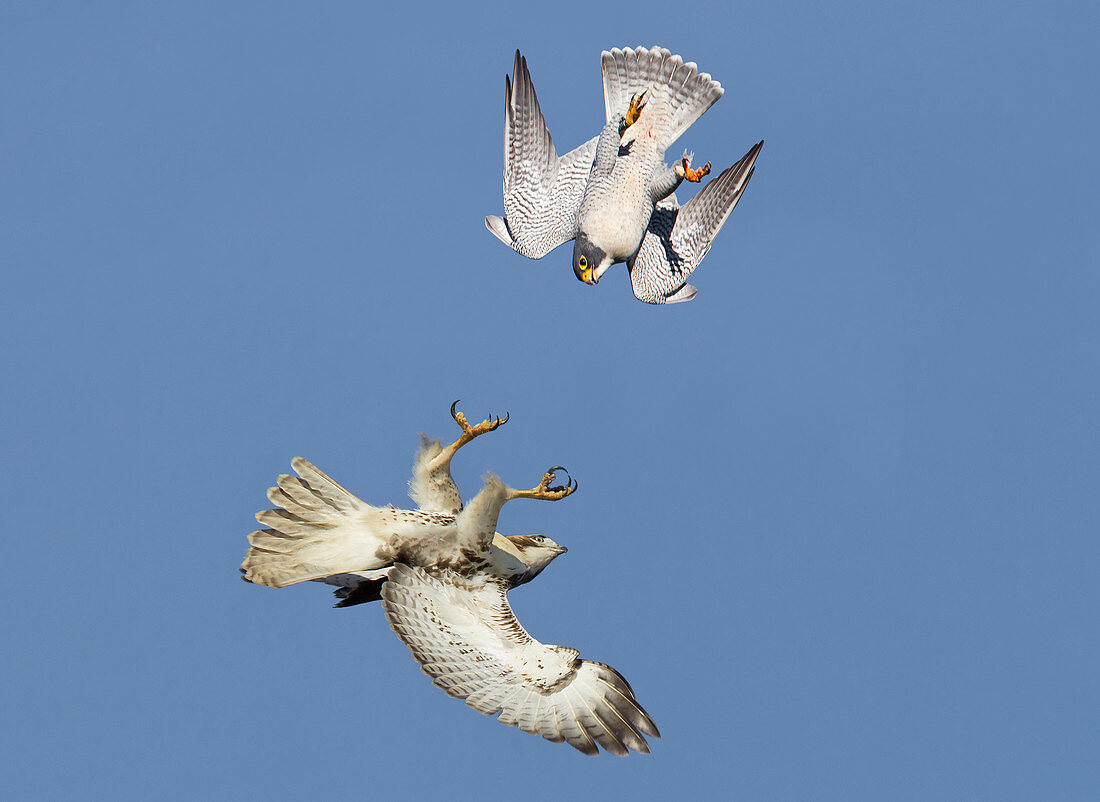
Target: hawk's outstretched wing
468, 639
541, 192
679, 237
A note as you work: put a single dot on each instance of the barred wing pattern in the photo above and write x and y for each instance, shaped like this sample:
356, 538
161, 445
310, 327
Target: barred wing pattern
466, 637
679, 237
541, 191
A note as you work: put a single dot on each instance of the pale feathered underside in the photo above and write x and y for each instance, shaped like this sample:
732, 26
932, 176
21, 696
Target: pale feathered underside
541, 191
678, 238
432, 487
686, 91
466, 637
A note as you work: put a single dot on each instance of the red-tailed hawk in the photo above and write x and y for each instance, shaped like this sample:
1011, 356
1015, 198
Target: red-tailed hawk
442, 573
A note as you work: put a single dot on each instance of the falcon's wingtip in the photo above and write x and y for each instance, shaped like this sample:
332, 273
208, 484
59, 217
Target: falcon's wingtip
685, 293
499, 228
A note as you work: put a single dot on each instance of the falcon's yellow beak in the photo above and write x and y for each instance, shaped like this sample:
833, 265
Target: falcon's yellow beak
587, 259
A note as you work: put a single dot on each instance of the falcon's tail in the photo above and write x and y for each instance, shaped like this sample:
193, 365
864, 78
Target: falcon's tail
687, 91
321, 529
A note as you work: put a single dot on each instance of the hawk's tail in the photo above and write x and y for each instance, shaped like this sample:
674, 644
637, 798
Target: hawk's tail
687, 91
316, 532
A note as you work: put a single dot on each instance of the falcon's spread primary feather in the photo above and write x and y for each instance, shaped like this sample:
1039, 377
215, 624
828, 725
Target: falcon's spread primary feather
603, 195
442, 573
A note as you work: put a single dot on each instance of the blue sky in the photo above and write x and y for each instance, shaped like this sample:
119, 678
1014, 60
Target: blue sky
837, 520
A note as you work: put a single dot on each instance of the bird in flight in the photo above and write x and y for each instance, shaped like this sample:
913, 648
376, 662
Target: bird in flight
442, 573
614, 196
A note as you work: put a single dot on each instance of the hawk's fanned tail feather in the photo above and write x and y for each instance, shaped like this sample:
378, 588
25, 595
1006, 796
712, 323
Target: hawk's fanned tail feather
334, 494
320, 530
466, 638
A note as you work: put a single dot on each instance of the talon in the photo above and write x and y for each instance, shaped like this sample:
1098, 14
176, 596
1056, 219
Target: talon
637, 103
564, 490
543, 490
470, 432
694, 175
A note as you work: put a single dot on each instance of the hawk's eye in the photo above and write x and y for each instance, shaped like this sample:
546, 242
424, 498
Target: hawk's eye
582, 263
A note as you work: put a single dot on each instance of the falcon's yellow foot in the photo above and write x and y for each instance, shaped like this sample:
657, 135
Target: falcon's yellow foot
637, 103
693, 175
470, 432
544, 492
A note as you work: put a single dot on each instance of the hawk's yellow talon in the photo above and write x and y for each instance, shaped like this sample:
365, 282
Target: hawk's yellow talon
470, 432
544, 492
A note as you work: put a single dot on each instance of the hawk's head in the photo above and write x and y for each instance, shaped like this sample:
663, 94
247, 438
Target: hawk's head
536, 552
589, 261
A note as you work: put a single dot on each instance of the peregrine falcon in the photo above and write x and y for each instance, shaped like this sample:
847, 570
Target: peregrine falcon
442, 573
614, 195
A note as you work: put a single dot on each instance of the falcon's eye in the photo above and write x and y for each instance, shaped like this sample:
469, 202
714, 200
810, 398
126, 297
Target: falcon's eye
582, 263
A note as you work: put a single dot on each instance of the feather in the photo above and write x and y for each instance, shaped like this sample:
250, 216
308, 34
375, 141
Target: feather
466, 638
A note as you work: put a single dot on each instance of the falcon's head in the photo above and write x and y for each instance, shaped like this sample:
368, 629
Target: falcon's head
589, 261
536, 552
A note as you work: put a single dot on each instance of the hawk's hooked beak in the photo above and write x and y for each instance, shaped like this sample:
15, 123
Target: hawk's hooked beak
589, 277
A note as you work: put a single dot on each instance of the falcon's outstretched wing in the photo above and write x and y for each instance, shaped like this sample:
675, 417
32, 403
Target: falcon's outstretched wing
541, 192
468, 639
678, 238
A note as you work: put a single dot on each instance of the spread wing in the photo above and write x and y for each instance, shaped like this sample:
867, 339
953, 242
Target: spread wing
541, 191
468, 639
678, 238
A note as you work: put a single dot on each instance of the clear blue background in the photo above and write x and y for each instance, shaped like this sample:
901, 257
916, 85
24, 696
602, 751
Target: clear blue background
838, 518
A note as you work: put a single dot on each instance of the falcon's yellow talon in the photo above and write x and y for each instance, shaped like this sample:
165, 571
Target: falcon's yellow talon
693, 175
635, 111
